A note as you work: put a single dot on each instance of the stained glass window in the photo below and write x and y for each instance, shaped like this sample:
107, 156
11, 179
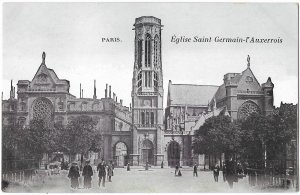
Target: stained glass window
42, 109
247, 108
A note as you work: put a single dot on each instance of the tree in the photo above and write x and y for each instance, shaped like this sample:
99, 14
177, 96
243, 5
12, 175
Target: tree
216, 136
284, 130
80, 136
254, 129
38, 139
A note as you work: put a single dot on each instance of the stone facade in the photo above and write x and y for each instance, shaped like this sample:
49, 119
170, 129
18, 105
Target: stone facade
147, 92
47, 97
239, 95
144, 134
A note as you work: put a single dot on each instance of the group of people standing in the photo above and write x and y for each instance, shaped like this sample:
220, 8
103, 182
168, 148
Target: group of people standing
104, 170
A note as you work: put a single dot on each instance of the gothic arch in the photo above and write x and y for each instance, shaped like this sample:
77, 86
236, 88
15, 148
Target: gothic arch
173, 153
147, 151
247, 108
156, 50
147, 50
139, 52
120, 152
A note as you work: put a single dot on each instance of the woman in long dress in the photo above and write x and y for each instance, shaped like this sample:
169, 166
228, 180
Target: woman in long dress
87, 174
74, 175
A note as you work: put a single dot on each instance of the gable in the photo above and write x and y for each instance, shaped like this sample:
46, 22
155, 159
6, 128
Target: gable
42, 79
248, 81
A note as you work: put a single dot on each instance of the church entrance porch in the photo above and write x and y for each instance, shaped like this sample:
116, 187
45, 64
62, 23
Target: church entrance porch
147, 152
173, 154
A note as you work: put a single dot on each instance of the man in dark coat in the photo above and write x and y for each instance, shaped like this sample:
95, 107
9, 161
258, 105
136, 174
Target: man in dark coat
230, 173
195, 173
102, 173
87, 173
74, 175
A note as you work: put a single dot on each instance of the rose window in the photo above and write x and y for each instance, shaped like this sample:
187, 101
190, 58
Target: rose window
247, 108
42, 110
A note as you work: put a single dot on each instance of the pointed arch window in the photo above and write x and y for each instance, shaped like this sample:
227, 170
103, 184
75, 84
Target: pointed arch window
140, 48
148, 79
156, 50
140, 76
152, 118
147, 118
148, 50
143, 118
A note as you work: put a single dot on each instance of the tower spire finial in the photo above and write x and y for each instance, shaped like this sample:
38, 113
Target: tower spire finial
248, 60
43, 57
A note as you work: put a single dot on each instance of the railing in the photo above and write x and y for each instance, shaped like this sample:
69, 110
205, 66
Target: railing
177, 132
146, 125
42, 90
147, 93
250, 92
18, 170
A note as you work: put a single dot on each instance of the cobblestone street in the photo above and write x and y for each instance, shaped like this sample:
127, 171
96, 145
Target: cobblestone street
152, 181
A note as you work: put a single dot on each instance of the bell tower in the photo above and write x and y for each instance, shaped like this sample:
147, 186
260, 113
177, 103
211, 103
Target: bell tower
147, 92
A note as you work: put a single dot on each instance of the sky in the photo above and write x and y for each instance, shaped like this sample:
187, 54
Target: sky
71, 35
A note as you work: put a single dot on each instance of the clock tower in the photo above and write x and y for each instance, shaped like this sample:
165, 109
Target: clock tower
147, 92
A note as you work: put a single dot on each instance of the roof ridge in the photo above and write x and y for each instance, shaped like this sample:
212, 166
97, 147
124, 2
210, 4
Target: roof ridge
197, 85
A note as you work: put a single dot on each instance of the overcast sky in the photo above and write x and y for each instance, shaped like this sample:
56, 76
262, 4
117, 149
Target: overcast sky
71, 33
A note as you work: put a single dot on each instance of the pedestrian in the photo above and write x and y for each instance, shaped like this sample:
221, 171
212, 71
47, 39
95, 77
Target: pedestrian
177, 171
216, 172
230, 173
74, 175
195, 170
109, 172
147, 166
162, 164
128, 167
102, 173
87, 174
224, 171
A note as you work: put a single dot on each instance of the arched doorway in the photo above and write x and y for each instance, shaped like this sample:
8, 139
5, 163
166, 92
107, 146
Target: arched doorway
147, 152
120, 154
173, 154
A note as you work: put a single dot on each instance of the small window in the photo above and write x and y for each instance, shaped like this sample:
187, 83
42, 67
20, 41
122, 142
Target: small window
139, 79
147, 118
142, 118
249, 79
84, 106
152, 117
155, 81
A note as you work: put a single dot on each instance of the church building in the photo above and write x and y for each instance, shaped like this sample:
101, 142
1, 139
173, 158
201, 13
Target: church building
147, 133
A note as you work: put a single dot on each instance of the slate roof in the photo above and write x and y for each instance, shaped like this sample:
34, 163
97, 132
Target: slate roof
187, 94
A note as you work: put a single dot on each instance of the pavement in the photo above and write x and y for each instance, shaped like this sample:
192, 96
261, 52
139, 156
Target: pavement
155, 180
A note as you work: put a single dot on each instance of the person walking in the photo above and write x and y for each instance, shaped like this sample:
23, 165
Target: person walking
74, 175
195, 173
224, 171
109, 172
102, 173
87, 173
230, 173
216, 172
177, 171
128, 167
